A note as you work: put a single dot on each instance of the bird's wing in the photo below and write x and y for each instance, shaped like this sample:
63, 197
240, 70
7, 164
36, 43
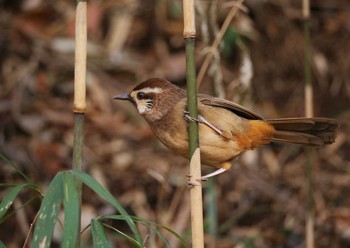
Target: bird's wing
234, 107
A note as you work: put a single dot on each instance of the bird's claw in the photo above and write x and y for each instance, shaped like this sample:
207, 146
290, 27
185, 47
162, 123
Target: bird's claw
189, 118
203, 179
191, 184
204, 121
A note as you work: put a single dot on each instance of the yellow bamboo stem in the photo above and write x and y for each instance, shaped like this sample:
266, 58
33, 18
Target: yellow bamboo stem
79, 93
80, 58
195, 163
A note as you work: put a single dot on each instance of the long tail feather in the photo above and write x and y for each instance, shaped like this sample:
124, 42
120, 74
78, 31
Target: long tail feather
304, 131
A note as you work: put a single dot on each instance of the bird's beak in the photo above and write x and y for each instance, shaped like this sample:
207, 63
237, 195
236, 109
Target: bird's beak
122, 97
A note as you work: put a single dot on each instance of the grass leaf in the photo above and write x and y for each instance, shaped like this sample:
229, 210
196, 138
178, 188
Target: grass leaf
98, 234
8, 215
14, 166
2, 245
107, 196
71, 211
9, 198
133, 241
148, 223
48, 213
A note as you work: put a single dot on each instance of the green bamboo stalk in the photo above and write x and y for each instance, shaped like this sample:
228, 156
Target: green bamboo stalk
191, 94
195, 164
78, 144
79, 93
310, 212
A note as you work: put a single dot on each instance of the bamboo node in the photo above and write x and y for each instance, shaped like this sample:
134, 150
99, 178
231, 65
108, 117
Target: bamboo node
189, 35
80, 110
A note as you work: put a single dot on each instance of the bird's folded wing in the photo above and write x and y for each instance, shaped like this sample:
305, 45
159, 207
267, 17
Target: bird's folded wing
234, 107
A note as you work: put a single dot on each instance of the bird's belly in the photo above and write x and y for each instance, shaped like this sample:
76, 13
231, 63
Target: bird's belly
215, 149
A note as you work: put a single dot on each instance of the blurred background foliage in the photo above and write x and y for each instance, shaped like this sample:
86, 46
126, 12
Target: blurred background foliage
261, 202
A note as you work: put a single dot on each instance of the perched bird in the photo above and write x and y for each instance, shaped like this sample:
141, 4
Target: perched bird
226, 129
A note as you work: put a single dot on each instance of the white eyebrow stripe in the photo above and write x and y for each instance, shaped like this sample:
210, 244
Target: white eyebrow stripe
151, 90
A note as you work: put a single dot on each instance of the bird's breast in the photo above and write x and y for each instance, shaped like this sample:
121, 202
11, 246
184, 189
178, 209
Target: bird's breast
215, 149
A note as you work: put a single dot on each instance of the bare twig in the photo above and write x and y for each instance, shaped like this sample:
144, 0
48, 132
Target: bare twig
215, 69
217, 40
30, 230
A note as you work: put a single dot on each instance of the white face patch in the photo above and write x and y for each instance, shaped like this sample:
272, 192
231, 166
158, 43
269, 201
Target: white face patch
151, 90
146, 104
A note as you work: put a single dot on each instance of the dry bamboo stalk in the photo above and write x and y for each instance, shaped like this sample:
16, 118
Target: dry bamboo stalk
308, 91
196, 201
309, 106
80, 58
79, 92
308, 82
189, 20
306, 9
195, 163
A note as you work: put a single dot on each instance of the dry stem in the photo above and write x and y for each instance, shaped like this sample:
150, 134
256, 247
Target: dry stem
195, 163
80, 58
217, 40
310, 213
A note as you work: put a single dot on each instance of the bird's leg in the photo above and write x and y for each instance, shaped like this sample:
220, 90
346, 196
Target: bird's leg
189, 183
214, 173
201, 119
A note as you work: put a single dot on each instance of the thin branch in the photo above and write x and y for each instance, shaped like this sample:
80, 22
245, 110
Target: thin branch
217, 41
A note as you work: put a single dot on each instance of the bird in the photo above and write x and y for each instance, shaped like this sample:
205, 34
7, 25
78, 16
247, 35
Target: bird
226, 129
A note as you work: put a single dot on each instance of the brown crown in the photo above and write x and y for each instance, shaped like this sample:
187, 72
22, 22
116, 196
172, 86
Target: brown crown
154, 83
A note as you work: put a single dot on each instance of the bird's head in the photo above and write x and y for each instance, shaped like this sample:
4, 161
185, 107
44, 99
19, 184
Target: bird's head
153, 98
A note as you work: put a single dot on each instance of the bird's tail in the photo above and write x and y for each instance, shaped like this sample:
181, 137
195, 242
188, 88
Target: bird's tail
304, 131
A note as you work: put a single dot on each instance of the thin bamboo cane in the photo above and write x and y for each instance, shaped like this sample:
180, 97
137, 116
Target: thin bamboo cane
79, 90
310, 213
195, 164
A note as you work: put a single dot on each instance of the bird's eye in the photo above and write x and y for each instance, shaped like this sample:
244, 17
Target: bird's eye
141, 95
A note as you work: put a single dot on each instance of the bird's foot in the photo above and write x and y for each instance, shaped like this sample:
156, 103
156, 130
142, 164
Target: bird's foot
189, 118
202, 120
191, 184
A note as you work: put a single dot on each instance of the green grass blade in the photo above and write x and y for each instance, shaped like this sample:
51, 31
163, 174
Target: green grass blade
28, 185
71, 212
104, 193
130, 239
9, 198
147, 223
98, 234
160, 234
172, 232
14, 166
26, 203
2, 245
48, 213
8, 184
